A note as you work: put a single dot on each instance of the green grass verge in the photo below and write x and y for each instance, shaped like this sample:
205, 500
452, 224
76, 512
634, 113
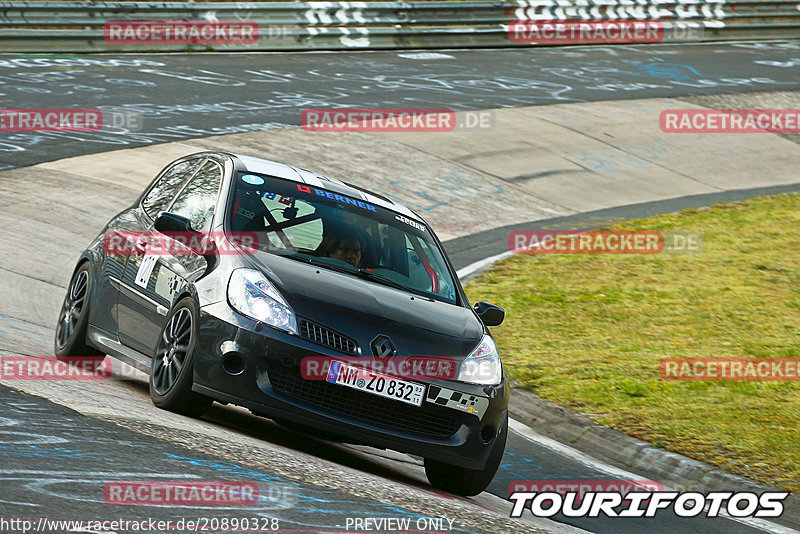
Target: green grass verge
588, 332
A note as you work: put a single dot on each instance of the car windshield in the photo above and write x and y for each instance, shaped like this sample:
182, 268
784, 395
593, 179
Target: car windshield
340, 232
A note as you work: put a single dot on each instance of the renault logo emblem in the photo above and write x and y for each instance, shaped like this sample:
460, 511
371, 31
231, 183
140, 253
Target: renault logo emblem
382, 347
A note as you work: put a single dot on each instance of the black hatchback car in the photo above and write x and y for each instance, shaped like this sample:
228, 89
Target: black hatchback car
315, 303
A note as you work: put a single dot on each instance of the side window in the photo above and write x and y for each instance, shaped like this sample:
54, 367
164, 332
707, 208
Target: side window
419, 266
196, 202
416, 270
170, 183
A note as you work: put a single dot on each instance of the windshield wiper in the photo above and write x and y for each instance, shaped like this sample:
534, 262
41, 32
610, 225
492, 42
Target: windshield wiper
375, 277
360, 272
321, 263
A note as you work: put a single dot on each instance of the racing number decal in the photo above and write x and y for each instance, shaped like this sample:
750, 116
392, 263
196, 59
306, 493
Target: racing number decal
146, 269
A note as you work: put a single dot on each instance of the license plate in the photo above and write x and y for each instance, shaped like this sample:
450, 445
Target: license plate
375, 383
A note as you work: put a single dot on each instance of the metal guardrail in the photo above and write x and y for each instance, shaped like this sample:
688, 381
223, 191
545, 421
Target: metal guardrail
78, 26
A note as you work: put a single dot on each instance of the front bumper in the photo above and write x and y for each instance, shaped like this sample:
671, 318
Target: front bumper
268, 383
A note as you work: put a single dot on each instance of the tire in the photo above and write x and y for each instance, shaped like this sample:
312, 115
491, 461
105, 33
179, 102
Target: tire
172, 370
463, 481
73, 319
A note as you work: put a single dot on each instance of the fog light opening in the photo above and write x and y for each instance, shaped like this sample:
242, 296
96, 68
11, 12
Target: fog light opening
233, 363
487, 434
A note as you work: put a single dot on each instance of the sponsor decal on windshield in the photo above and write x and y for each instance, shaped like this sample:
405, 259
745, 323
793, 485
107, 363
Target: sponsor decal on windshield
335, 196
409, 222
252, 179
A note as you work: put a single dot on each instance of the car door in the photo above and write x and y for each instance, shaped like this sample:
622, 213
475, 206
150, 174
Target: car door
154, 280
116, 248
132, 298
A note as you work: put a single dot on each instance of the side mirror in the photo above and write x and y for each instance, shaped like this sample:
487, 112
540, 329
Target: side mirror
170, 222
490, 314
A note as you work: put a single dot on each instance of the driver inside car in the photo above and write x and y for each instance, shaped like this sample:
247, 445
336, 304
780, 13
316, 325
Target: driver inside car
343, 246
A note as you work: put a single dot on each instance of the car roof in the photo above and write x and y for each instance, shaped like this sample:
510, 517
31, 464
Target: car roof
320, 181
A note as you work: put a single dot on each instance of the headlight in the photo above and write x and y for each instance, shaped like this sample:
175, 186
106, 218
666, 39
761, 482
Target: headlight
250, 293
483, 365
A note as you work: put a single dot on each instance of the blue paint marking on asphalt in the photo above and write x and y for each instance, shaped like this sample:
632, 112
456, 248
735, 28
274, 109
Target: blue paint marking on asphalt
39, 452
518, 468
304, 496
671, 71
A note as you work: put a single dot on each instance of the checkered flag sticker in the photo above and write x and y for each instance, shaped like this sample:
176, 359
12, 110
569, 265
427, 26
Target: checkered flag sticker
460, 401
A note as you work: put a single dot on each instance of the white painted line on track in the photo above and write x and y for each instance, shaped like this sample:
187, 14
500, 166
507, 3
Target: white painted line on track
573, 454
472, 267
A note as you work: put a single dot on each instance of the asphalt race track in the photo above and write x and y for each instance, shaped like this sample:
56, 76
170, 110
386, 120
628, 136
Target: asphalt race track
54, 456
71, 454
185, 96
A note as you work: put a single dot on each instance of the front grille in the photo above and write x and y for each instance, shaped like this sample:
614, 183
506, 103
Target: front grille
428, 419
326, 336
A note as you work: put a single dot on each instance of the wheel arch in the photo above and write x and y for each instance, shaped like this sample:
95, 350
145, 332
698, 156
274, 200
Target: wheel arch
188, 291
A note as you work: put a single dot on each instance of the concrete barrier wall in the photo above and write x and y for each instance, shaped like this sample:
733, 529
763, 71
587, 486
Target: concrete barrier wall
78, 26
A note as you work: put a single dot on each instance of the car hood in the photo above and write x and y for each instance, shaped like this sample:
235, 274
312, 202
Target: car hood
363, 309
